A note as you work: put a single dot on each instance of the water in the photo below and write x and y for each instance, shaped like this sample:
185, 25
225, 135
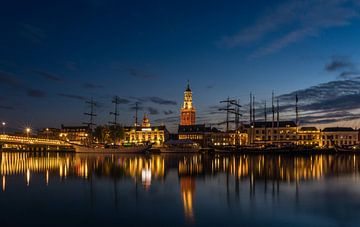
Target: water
177, 190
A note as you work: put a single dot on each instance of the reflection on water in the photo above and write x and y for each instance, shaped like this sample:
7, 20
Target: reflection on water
223, 179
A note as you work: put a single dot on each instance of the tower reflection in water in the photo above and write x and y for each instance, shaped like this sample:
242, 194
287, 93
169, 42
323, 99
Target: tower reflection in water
150, 169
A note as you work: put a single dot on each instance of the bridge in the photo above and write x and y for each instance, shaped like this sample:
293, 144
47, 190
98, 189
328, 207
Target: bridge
25, 143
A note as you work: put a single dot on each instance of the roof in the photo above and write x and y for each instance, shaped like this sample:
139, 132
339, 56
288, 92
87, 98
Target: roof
75, 127
139, 128
338, 129
194, 128
308, 129
268, 124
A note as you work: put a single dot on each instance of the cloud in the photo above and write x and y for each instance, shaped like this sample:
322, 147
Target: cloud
161, 101
343, 66
6, 107
11, 81
92, 86
338, 63
35, 93
174, 119
324, 91
121, 100
325, 103
32, 33
71, 96
292, 22
152, 111
48, 76
168, 112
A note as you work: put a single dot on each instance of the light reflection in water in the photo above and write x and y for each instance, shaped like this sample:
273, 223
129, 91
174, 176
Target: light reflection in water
152, 169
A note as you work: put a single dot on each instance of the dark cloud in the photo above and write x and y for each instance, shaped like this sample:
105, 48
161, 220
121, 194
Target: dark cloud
300, 20
343, 66
35, 93
121, 100
71, 96
168, 112
324, 91
168, 120
338, 64
161, 101
32, 33
48, 76
11, 80
152, 111
6, 107
331, 117
92, 86
348, 74
154, 99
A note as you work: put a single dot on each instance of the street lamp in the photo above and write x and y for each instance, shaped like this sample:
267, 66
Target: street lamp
27, 131
47, 133
3, 125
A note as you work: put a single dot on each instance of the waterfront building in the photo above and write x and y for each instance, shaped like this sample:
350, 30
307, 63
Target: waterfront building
261, 133
231, 138
199, 134
76, 134
309, 136
187, 112
49, 133
146, 133
339, 137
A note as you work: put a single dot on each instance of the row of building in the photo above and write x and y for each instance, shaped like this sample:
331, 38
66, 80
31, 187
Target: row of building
258, 134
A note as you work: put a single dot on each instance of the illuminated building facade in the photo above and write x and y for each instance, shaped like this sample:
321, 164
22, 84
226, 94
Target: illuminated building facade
75, 134
308, 136
260, 133
199, 134
146, 134
187, 115
339, 137
232, 138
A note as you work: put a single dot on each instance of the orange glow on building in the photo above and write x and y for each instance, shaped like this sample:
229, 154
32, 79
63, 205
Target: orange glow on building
188, 111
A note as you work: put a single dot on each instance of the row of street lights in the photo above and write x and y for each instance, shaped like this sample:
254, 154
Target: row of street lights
27, 130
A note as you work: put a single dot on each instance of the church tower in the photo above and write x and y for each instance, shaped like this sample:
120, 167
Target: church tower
187, 110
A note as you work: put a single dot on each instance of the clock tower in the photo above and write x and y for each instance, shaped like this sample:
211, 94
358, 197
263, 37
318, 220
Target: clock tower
188, 111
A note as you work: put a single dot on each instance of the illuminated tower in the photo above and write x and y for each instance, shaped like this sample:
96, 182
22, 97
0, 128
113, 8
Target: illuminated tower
187, 110
146, 122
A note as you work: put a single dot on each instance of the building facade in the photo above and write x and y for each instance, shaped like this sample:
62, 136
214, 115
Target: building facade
188, 112
339, 137
262, 133
146, 134
309, 136
199, 134
76, 134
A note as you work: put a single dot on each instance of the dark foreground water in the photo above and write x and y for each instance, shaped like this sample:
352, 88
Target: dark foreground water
176, 190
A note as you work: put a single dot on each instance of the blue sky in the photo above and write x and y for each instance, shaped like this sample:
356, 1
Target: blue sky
54, 55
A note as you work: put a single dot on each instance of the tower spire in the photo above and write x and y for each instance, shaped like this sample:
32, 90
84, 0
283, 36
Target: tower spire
187, 110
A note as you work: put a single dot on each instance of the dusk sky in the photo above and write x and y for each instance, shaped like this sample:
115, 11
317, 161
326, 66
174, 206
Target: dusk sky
55, 55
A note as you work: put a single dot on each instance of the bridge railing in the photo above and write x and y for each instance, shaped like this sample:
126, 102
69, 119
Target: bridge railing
30, 140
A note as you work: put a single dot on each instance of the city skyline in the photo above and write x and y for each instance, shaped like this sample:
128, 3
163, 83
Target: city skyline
51, 64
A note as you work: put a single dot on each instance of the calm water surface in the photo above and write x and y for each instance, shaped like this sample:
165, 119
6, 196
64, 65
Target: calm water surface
177, 190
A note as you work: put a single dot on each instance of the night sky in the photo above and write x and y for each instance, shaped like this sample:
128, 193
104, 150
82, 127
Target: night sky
55, 55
